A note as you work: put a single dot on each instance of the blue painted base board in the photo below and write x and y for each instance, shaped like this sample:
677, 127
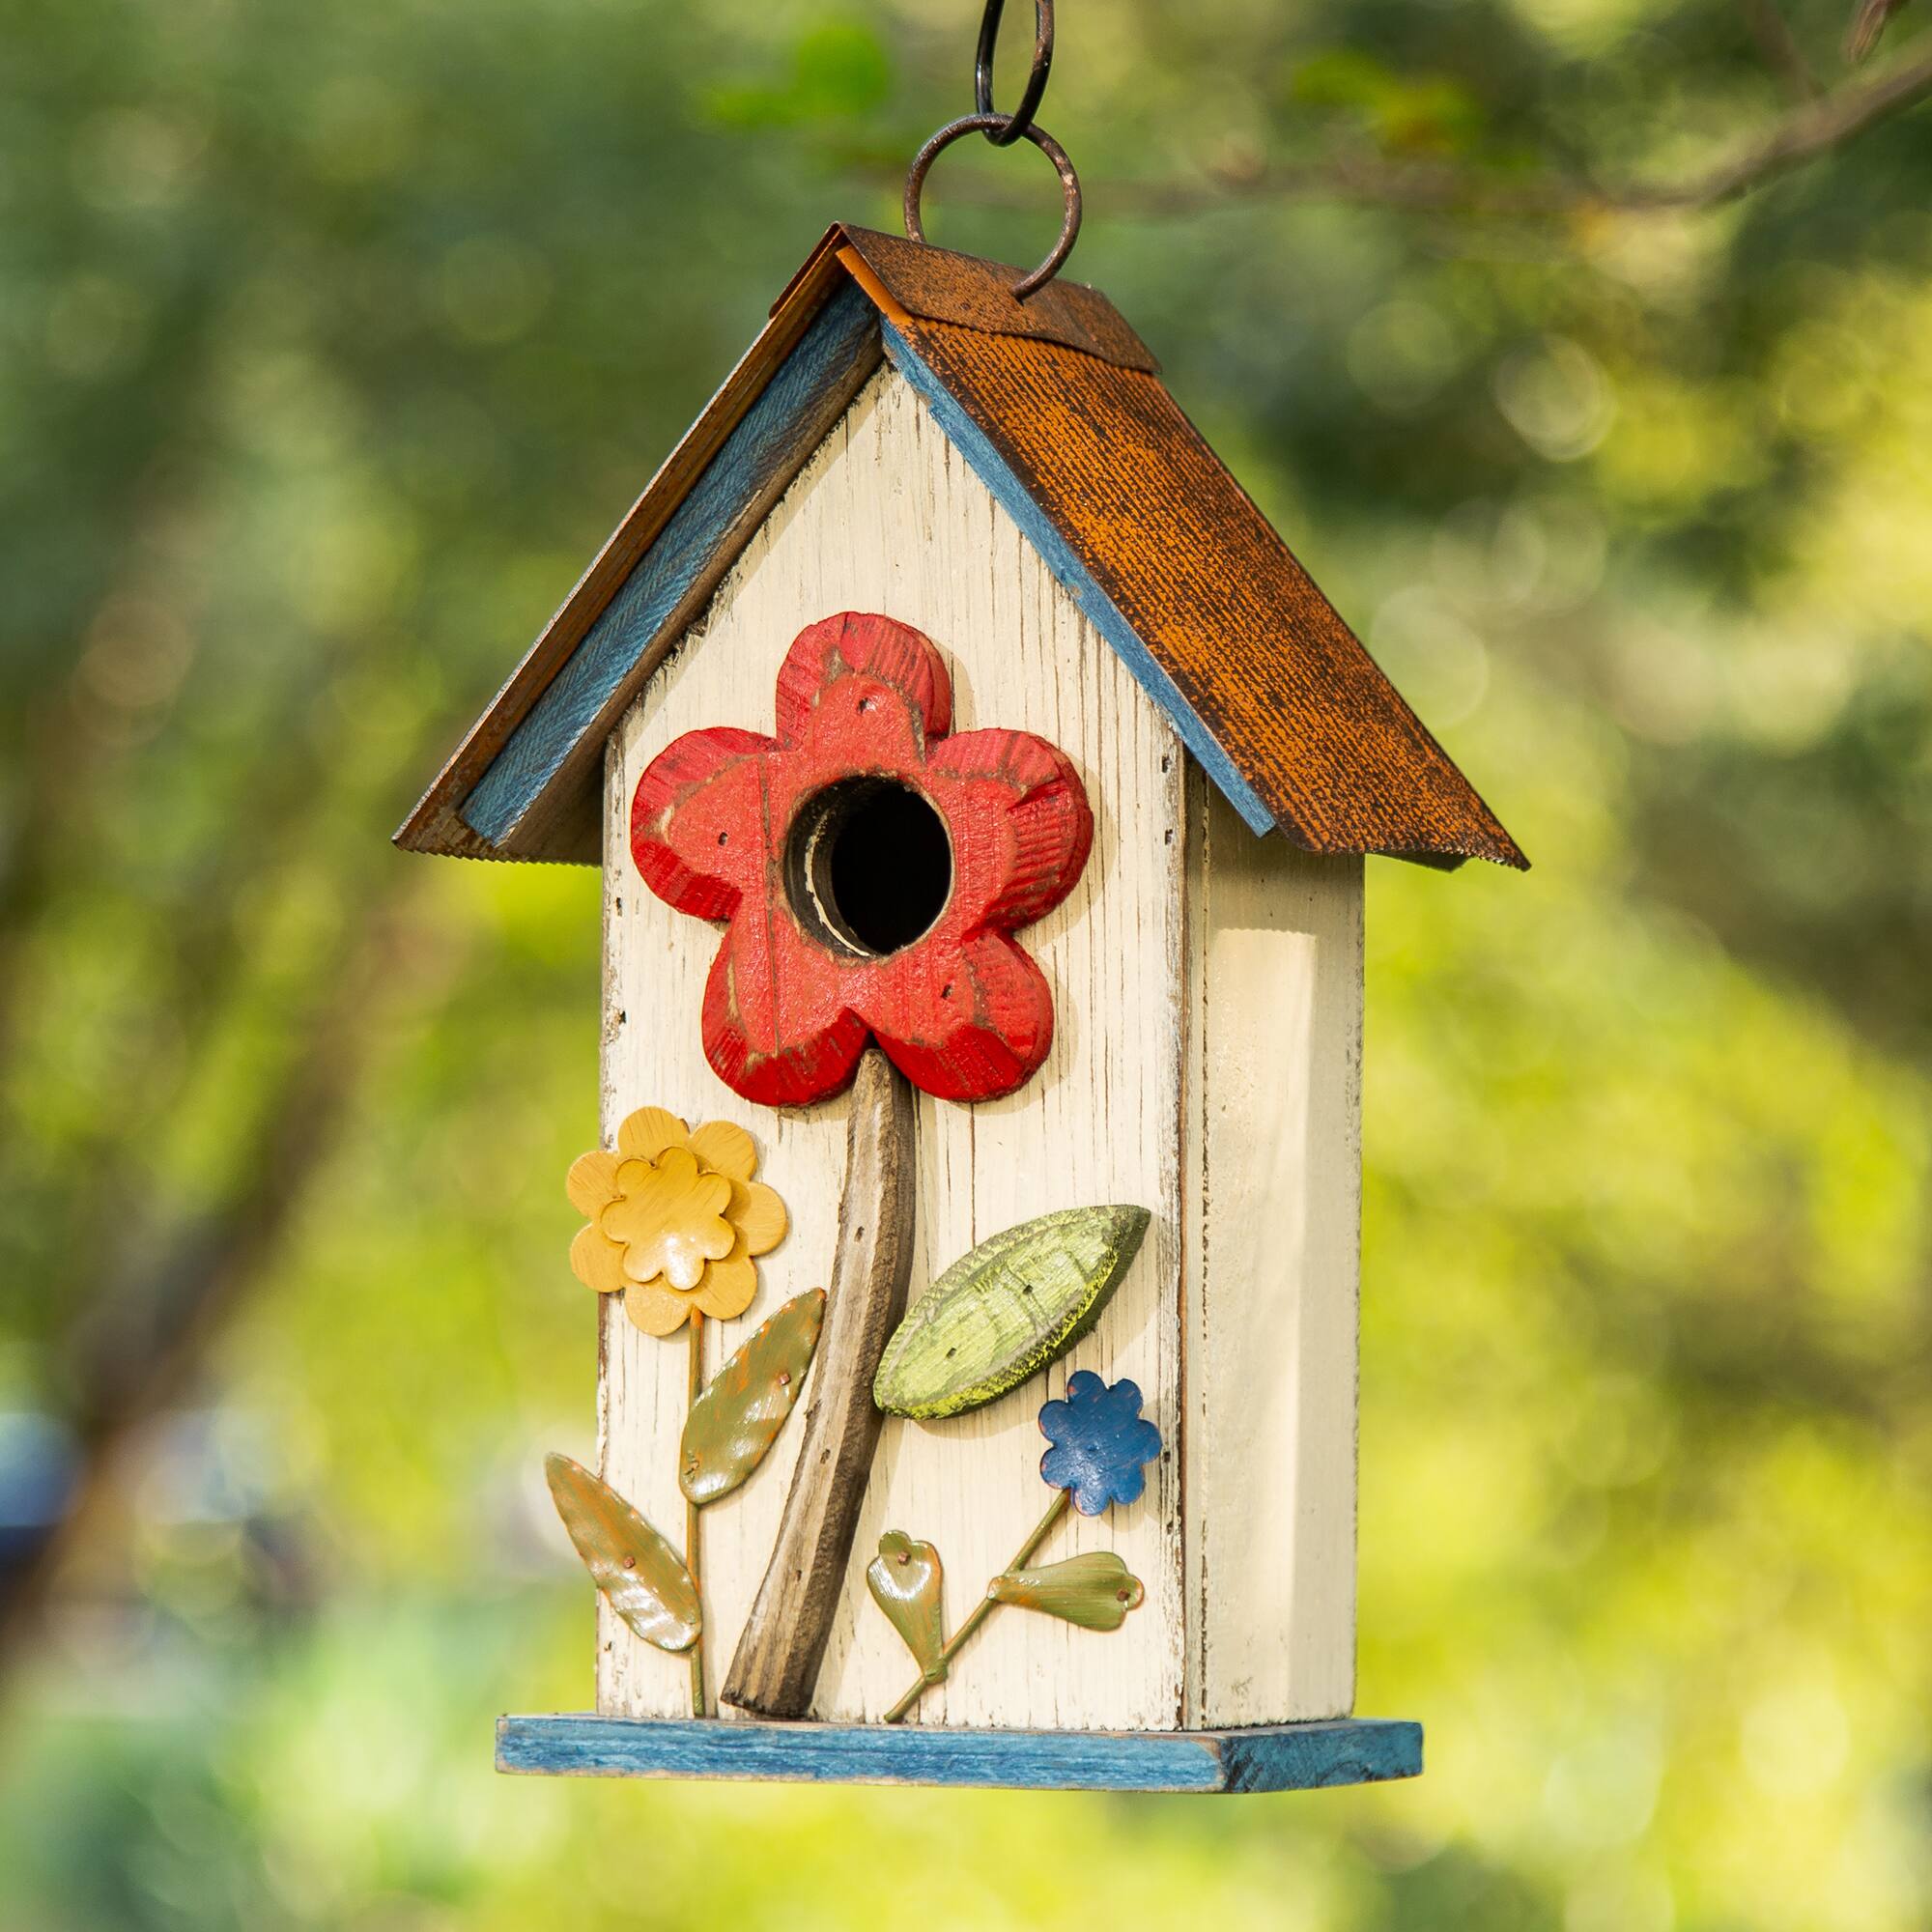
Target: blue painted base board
1269, 1758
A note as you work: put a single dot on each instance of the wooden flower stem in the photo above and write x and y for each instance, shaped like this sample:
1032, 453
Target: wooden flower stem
776, 1668
984, 1608
694, 1388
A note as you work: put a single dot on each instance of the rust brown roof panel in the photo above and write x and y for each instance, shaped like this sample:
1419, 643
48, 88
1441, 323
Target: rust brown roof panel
935, 285
1223, 608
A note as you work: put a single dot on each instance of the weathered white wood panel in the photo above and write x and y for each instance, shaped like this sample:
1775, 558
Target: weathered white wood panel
1271, 1290
888, 518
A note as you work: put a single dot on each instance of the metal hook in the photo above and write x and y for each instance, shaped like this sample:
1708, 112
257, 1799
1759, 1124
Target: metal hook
1069, 182
1008, 128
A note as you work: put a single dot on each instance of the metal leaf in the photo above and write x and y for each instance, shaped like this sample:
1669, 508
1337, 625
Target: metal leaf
1002, 1313
641, 1575
905, 1580
1095, 1591
738, 1417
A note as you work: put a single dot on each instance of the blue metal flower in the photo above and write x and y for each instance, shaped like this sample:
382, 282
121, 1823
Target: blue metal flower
1100, 1440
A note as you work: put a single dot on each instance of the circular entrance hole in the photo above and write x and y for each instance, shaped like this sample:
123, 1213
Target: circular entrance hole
868, 866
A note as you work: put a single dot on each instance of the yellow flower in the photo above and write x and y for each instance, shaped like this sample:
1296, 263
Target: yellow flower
675, 1218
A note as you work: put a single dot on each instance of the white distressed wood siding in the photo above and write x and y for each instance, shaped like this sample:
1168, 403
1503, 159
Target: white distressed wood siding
1272, 1275
888, 518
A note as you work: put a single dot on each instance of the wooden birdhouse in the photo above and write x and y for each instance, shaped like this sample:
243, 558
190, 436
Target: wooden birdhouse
982, 791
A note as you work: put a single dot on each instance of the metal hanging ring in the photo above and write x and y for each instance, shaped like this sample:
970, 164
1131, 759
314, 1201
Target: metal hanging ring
1069, 182
1011, 127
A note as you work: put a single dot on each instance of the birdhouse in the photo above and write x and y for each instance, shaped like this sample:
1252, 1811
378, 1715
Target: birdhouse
981, 790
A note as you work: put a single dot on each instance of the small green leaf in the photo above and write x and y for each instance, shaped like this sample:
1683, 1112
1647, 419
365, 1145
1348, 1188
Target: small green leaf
1004, 1312
643, 1576
905, 1580
1095, 1591
738, 1417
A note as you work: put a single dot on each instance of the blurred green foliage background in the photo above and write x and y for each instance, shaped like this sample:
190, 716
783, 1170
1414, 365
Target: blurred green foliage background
332, 341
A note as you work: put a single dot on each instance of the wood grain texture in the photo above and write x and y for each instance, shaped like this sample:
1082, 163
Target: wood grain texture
1286, 1757
888, 518
1274, 1107
775, 1669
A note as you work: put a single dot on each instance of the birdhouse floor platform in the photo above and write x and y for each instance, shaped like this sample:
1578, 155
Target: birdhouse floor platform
1269, 1758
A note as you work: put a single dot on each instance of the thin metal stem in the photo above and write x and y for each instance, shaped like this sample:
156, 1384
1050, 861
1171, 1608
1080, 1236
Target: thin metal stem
694, 1388
984, 1608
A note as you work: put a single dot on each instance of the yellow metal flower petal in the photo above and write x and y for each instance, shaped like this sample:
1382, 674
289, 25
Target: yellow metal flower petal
648, 1133
728, 1287
592, 1182
725, 1149
759, 1215
655, 1308
598, 1262
672, 1222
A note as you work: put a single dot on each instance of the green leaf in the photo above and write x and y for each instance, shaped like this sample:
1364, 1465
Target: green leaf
738, 1417
1004, 1312
643, 1576
906, 1580
1095, 1591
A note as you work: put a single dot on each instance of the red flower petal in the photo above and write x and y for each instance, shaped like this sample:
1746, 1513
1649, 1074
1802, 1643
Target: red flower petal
777, 1028
869, 668
966, 1025
1020, 824
695, 817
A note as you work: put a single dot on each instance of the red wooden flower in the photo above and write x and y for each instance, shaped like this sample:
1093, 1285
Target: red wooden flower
870, 869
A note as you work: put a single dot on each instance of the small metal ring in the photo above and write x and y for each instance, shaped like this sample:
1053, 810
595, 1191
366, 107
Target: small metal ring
1069, 182
1016, 123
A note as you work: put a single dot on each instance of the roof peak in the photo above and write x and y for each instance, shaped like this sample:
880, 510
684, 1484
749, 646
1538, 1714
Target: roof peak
1057, 406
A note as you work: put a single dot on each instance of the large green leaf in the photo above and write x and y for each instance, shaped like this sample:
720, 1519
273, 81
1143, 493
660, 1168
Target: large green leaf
906, 1582
1002, 1313
643, 1576
1095, 1591
738, 1417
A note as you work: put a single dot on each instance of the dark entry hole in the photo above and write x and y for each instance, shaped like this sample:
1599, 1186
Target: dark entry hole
867, 866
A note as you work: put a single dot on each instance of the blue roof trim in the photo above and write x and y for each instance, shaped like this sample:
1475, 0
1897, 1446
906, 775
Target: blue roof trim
781, 429
986, 462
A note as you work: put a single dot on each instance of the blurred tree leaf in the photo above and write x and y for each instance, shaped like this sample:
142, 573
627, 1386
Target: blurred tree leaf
840, 71
1405, 112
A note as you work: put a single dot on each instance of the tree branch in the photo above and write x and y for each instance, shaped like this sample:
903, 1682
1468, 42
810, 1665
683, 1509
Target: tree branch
1808, 130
